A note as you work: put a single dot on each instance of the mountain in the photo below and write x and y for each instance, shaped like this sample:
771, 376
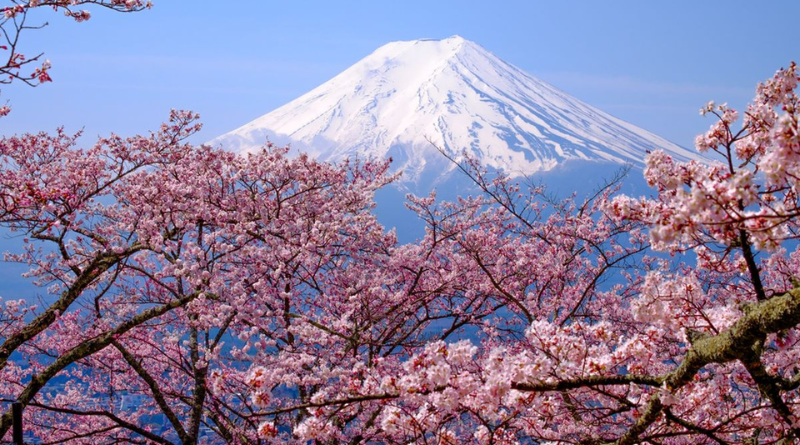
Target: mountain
408, 98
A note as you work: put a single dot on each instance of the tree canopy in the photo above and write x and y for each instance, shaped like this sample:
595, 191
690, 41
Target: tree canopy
195, 295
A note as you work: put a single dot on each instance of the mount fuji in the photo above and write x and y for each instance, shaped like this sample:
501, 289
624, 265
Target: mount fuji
408, 100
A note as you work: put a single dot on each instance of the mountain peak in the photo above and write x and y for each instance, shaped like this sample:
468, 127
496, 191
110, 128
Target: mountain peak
452, 41
409, 99
421, 55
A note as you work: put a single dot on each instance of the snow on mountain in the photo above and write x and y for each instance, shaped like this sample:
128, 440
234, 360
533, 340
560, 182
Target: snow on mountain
407, 98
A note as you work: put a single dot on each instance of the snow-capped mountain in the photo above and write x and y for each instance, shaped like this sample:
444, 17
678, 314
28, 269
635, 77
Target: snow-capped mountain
407, 98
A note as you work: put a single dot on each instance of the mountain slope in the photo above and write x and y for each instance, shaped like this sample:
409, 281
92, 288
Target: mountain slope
407, 97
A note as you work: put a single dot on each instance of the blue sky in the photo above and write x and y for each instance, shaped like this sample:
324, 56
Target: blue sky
651, 63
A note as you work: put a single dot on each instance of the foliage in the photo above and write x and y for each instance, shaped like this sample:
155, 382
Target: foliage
136, 228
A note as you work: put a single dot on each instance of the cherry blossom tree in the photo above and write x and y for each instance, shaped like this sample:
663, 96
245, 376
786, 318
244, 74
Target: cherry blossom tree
259, 243
15, 21
477, 276
78, 245
569, 332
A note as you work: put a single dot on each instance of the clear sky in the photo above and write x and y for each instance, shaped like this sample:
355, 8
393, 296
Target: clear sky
652, 63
